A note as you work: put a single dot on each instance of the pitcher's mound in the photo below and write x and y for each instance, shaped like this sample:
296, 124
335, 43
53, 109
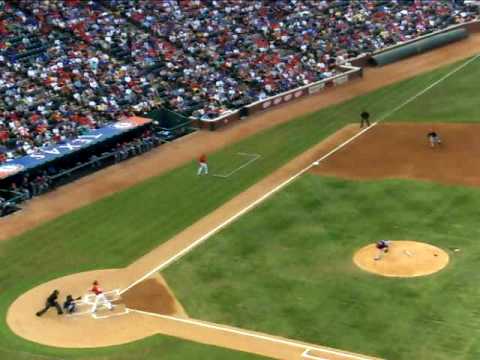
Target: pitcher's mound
404, 259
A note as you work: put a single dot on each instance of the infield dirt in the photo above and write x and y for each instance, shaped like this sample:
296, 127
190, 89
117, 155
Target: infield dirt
153, 295
402, 151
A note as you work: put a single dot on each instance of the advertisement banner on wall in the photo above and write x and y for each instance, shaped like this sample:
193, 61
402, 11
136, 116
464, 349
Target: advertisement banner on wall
46, 154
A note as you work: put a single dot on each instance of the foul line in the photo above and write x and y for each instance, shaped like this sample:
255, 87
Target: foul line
292, 178
306, 354
253, 157
251, 334
443, 78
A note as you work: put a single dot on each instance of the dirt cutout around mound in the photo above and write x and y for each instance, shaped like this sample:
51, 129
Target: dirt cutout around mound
405, 259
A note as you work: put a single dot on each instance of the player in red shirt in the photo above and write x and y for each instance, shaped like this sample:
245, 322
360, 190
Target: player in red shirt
202, 165
100, 298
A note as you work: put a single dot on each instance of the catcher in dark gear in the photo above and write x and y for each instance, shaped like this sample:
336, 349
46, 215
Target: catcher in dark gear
69, 306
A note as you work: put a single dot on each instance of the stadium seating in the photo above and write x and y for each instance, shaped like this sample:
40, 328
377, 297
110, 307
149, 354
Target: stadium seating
70, 65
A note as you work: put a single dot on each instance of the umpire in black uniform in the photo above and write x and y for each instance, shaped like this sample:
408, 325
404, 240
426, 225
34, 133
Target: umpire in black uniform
364, 118
51, 302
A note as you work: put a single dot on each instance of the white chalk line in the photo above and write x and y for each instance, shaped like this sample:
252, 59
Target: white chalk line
88, 300
242, 332
306, 354
237, 215
292, 178
414, 97
253, 157
282, 185
100, 317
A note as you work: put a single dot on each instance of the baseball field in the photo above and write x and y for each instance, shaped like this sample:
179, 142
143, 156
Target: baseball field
284, 267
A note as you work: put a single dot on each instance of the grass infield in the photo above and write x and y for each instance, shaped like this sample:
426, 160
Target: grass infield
117, 230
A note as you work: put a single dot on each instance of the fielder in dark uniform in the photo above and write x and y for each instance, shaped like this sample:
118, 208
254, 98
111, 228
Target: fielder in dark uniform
69, 306
434, 138
51, 302
383, 247
364, 119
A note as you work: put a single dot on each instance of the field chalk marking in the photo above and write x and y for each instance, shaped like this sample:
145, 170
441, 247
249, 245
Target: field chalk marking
100, 317
250, 334
237, 215
294, 177
253, 157
86, 298
414, 97
88, 301
306, 354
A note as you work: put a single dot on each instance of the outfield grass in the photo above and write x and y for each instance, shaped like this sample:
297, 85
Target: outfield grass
115, 231
289, 272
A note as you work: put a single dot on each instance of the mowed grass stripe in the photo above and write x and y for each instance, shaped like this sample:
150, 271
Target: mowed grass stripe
117, 230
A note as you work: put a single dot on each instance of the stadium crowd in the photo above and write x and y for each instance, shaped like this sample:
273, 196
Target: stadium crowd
70, 65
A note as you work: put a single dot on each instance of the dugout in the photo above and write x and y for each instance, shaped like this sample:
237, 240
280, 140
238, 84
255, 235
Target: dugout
418, 47
168, 121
